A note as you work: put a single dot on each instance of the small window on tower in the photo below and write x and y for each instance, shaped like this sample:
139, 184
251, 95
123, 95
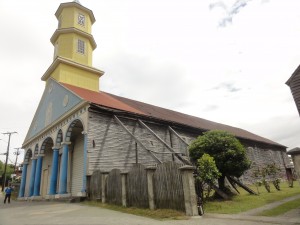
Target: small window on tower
81, 19
81, 46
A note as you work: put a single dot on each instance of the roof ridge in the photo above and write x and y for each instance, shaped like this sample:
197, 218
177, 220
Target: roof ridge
113, 101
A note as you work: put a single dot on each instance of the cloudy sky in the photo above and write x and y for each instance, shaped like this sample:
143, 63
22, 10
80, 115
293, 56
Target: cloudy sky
225, 61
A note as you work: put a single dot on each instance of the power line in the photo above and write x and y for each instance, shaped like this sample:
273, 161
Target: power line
7, 153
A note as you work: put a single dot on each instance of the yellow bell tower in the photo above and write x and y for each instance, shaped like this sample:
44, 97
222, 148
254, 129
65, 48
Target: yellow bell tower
73, 48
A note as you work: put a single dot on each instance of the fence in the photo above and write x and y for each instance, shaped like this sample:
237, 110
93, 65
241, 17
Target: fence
169, 185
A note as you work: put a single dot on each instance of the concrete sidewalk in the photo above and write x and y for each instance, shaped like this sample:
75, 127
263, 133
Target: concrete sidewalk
52, 213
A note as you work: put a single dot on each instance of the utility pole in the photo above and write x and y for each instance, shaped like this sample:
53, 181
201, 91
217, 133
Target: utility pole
17, 153
7, 153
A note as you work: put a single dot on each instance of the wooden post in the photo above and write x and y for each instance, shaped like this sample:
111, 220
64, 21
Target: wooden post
124, 187
150, 172
190, 198
103, 186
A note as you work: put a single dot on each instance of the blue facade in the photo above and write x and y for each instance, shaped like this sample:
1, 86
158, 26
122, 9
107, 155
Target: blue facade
55, 102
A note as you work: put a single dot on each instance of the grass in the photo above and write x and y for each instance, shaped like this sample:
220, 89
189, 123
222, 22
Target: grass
281, 209
244, 201
159, 214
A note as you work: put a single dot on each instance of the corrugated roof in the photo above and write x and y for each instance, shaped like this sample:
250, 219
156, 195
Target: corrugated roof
132, 106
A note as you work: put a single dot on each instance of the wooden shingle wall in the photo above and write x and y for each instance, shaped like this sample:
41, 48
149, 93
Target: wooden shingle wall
111, 147
262, 157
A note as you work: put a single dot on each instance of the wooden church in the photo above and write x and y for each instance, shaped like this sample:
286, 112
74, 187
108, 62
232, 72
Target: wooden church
78, 129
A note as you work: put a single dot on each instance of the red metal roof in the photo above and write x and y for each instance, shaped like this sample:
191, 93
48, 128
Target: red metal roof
132, 106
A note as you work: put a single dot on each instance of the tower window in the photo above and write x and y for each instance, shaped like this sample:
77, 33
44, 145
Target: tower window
81, 46
81, 19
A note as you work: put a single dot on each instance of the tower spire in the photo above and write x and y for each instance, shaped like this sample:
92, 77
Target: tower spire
73, 47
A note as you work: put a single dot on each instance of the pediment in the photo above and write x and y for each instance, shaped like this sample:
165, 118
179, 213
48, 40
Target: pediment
55, 102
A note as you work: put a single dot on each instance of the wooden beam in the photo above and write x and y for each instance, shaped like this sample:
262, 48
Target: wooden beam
231, 179
180, 138
177, 135
165, 144
137, 141
220, 192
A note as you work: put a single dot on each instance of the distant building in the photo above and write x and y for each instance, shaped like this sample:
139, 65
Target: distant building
295, 154
78, 129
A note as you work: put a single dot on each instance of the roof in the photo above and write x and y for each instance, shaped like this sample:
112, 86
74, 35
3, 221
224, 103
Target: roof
294, 151
288, 82
144, 109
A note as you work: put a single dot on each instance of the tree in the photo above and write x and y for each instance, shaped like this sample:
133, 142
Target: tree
228, 153
9, 170
207, 173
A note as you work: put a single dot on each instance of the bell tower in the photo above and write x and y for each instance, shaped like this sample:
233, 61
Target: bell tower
73, 48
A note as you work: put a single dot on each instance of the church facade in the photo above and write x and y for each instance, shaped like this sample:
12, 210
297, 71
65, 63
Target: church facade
78, 129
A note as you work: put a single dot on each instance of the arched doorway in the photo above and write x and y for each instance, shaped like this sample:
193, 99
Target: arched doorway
75, 136
47, 151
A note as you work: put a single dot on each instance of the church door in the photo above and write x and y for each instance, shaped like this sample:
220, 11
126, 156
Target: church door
45, 182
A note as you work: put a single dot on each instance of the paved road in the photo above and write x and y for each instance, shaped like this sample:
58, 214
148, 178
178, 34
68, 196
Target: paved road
52, 213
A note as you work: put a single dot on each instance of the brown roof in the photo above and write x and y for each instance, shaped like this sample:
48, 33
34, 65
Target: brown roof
294, 151
144, 109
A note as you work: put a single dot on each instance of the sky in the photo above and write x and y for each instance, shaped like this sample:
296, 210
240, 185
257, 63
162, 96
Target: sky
225, 61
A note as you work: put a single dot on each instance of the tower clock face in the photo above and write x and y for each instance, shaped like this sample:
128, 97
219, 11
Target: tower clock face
81, 19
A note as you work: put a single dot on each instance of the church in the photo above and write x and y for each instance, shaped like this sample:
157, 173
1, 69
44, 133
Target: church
78, 129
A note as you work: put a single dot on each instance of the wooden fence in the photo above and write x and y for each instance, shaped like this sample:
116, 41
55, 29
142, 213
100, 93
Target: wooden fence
166, 186
137, 189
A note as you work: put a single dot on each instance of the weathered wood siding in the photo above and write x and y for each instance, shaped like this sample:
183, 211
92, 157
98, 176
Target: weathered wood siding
167, 186
114, 187
137, 189
77, 166
109, 146
95, 185
261, 157
168, 189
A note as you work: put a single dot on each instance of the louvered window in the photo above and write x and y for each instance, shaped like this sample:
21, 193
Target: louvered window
81, 46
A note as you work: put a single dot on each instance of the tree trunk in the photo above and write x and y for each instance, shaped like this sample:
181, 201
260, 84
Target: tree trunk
221, 182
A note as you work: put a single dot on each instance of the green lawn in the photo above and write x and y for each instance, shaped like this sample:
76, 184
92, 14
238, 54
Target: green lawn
245, 201
281, 209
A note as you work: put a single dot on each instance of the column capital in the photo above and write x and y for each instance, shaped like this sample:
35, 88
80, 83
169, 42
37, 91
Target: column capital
66, 143
56, 147
84, 132
40, 155
33, 157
